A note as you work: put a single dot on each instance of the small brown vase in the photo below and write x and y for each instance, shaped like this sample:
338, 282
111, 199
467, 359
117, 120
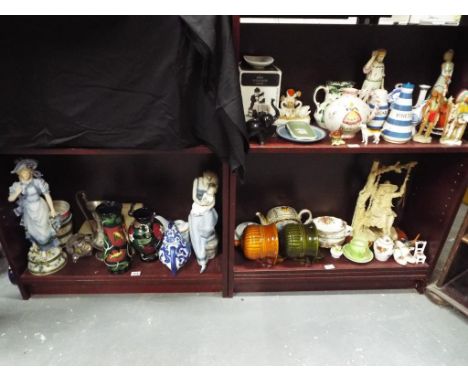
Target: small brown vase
260, 242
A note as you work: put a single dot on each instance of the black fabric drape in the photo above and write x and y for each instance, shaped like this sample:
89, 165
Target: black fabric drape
162, 82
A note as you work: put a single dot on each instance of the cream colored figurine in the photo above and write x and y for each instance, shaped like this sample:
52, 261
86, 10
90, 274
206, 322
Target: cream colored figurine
203, 218
38, 216
291, 109
373, 215
446, 73
375, 74
457, 120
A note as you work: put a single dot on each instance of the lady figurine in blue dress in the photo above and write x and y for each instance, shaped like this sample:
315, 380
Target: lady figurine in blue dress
38, 217
203, 218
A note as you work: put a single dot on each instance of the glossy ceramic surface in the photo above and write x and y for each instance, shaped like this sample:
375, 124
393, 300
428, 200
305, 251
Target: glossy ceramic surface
299, 242
260, 242
283, 132
175, 251
145, 234
358, 251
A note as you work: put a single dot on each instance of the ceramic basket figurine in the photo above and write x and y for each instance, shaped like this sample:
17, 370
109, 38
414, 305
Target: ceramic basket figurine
145, 234
39, 218
291, 108
203, 218
398, 127
116, 251
175, 250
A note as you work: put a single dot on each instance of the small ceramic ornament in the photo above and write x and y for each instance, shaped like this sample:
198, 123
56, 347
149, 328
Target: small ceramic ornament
375, 74
203, 218
175, 250
457, 120
373, 128
291, 108
430, 117
383, 248
39, 218
146, 233
445, 77
373, 215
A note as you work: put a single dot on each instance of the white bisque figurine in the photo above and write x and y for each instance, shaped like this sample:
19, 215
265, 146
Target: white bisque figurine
203, 218
292, 109
38, 216
375, 74
445, 77
373, 215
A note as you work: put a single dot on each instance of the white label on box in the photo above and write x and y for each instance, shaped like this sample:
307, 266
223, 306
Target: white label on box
353, 145
329, 266
135, 273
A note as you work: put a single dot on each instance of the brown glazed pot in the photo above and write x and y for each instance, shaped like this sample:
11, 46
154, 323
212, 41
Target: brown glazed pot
260, 242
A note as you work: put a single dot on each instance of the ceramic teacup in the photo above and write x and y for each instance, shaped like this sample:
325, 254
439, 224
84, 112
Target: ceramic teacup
359, 246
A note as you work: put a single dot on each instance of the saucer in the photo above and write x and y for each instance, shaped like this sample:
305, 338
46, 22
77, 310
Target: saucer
357, 258
283, 132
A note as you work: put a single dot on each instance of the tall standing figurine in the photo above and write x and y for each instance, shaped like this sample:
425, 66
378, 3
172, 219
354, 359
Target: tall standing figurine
38, 216
457, 120
446, 73
430, 117
203, 218
375, 74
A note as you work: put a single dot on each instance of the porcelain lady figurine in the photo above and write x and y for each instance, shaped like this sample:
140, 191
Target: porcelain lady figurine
203, 218
38, 217
375, 74
458, 118
445, 76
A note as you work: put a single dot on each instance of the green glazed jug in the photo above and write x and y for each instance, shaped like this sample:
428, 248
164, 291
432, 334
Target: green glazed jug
300, 242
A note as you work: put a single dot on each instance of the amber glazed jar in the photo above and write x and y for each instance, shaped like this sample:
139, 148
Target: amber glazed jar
260, 242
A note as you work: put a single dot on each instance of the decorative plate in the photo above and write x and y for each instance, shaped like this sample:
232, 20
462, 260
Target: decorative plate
259, 62
283, 132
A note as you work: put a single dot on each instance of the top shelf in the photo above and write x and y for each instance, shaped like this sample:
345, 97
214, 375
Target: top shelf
103, 151
353, 146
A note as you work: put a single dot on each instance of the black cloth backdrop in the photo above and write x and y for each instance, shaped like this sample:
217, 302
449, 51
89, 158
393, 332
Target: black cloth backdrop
162, 82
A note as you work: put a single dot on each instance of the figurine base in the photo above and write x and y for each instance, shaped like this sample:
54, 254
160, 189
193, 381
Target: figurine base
422, 139
450, 142
43, 263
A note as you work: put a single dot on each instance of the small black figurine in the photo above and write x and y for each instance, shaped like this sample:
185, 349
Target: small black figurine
261, 125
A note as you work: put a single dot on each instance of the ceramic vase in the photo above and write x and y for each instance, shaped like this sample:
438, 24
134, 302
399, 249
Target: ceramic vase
378, 100
260, 242
348, 112
145, 234
300, 242
398, 127
116, 256
175, 251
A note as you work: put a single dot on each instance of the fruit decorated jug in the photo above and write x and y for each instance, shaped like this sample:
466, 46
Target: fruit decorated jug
332, 91
145, 234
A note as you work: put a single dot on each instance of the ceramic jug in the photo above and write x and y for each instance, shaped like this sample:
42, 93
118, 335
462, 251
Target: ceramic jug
378, 99
145, 234
348, 112
175, 251
283, 215
260, 242
300, 242
116, 256
332, 91
398, 127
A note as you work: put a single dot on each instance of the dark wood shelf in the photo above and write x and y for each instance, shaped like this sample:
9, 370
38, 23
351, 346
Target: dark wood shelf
89, 275
251, 276
102, 151
277, 145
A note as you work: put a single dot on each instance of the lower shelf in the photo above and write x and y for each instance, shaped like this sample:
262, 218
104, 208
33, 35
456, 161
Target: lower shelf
290, 276
89, 275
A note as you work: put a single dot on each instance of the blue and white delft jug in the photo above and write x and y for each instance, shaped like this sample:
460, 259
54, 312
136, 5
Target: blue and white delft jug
398, 127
